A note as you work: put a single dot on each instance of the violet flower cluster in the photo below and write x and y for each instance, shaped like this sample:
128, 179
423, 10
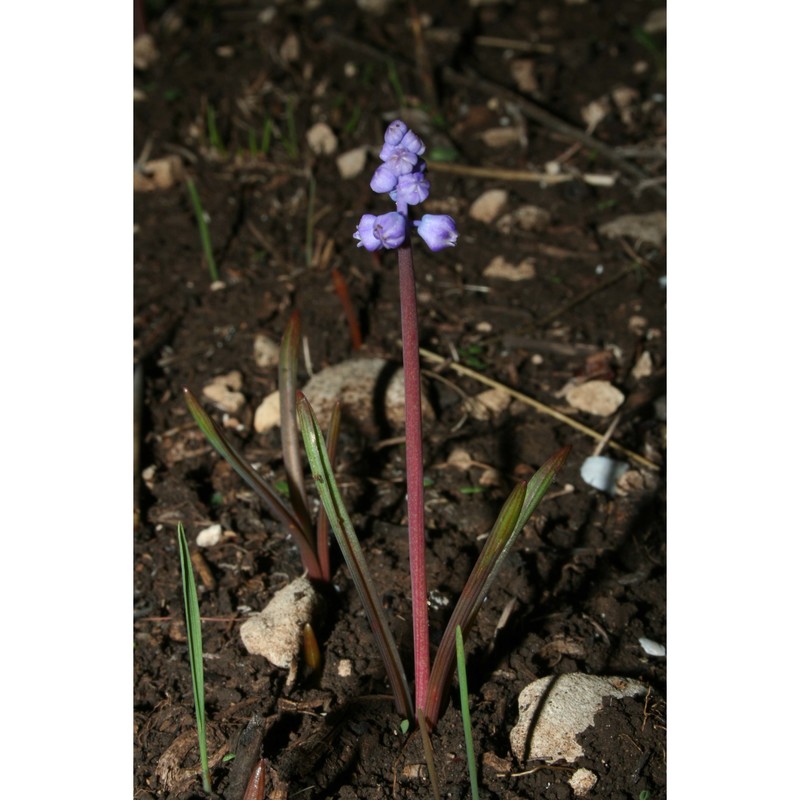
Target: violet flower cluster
402, 175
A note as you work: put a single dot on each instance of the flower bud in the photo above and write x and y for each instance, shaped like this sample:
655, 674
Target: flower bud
437, 230
384, 179
413, 188
401, 161
390, 230
413, 143
395, 132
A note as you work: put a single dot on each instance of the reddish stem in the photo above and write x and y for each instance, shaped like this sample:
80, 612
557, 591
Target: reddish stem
414, 472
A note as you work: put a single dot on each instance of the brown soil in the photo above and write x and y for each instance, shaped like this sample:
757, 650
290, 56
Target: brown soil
587, 578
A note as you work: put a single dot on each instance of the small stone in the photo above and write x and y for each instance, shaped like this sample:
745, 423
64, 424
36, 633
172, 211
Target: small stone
160, 173
209, 536
277, 632
564, 707
145, 52
265, 352
643, 367
504, 270
487, 207
602, 472
344, 669
489, 404
460, 459
595, 397
268, 414
321, 139
652, 648
523, 73
624, 96
223, 392
352, 162
502, 137
648, 228
582, 782
525, 218
595, 112
637, 324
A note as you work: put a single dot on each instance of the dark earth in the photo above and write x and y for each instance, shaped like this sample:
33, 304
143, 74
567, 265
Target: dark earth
504, 87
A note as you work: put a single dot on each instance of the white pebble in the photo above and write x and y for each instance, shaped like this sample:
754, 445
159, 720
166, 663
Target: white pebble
209, 536
652, 648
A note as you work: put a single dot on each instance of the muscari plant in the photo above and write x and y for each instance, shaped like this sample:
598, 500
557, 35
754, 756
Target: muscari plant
402, 175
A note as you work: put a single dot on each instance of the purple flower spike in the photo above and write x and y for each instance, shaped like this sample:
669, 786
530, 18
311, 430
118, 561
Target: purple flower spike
413, 188
390, 229
437, 230
365, 233
413, 143
395, 132
384, 179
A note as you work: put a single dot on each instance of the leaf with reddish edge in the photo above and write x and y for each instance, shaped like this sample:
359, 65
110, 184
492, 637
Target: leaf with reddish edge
516, 512
269, 497
322, 472
290, 439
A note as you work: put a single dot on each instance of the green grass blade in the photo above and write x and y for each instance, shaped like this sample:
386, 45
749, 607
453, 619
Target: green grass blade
202, 226
345, 534
195, 640
519, 506
290, 436
302, 537
462, 687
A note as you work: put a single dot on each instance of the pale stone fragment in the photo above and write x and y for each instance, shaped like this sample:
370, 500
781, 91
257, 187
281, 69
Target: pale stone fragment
487, 207
502, 137
265, 351
277, 632
505, 270
290, 48
648, 228
489, 404
209, 536
582, 782
643, 367
223, 392
524, 218
268, 414
564, 706
523, 73
595, 397
160, 173
145, 52
344, 669
594, 112
321, 139
352, 162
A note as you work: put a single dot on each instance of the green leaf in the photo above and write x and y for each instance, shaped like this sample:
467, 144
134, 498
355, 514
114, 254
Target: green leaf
345, 534
194, 638
518, 508
270, 498
464, 691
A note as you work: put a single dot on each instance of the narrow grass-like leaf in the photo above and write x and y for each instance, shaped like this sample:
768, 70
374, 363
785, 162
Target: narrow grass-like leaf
462, 687
194, 638
519, 506
290, 436
323, 526
427, 747
302, 537
322, 472
202, 227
